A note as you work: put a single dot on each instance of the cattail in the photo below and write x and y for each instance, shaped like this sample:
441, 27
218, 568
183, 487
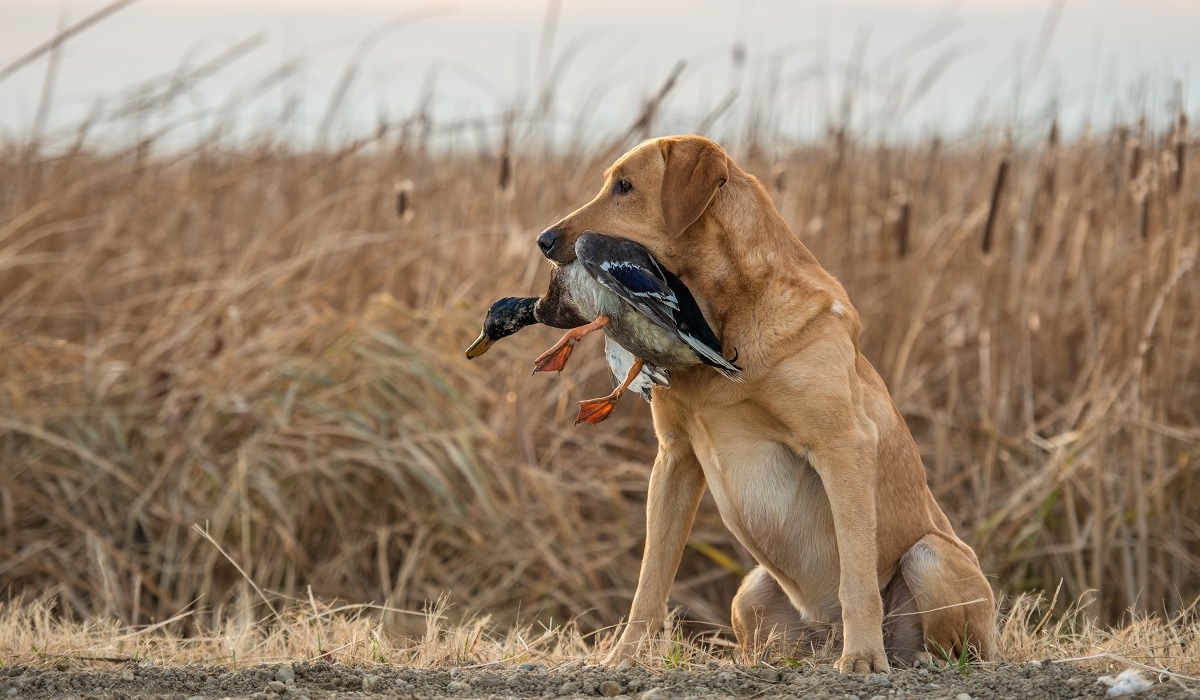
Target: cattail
1135, 160
993, 213
1048, 180
1044, 196
505, 181
935, 148
1180, 151
902, 229
1146, 216
404, 193
779, 177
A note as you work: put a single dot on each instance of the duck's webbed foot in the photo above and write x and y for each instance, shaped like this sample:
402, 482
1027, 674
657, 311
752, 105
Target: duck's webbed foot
555, 359
596, 410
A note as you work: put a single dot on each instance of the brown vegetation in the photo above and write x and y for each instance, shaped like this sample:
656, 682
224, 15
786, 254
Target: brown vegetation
268, 345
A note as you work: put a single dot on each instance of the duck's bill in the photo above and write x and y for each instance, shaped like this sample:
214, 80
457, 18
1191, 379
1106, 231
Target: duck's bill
480, 346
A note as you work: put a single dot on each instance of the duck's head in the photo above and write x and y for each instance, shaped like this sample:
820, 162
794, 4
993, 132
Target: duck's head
505, 317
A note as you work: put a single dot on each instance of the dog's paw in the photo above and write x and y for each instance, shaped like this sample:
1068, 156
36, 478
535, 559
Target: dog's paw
623, 652
636, 640
867, 661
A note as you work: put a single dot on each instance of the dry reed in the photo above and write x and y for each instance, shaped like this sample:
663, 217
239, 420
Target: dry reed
31, 633
267, 343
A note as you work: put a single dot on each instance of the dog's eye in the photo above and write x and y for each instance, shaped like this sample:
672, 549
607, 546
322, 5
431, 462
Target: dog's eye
622, 186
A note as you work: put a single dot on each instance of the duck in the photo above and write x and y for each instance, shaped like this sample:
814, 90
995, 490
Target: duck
509, 315
643, 308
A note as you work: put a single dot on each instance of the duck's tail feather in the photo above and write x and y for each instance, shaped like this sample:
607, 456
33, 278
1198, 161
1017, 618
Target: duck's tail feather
713, 358
658, 375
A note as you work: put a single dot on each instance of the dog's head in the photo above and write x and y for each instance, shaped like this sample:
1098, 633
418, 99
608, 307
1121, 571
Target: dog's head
652, 195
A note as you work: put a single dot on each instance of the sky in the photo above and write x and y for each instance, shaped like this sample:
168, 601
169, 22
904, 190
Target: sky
890, 67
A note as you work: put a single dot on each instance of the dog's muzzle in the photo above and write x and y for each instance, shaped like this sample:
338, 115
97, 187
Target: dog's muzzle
547, 241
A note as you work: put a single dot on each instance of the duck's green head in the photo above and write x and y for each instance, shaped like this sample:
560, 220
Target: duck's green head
505, 317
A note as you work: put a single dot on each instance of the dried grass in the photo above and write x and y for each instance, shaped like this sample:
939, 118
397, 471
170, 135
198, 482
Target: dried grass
31, 633
267, 343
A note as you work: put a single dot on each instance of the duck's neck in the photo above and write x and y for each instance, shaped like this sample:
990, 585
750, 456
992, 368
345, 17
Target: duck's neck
515, 314
524, 312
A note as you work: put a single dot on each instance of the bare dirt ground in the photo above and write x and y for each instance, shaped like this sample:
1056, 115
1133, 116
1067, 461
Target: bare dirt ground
1053, 681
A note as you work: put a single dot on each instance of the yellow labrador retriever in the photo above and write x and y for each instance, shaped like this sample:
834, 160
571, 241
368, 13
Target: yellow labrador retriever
810, 463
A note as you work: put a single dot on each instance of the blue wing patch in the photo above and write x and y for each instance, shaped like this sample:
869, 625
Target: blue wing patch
639, 281
634, 278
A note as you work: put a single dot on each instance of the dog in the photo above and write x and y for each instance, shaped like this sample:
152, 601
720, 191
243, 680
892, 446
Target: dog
808, 459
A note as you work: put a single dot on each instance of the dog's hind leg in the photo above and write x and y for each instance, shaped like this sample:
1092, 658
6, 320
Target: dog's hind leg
903, 639
765, 621
950, 596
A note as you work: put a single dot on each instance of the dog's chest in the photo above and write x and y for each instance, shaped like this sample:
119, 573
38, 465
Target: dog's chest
773, 502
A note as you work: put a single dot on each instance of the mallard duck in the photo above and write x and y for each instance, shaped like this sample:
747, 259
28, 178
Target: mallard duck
508, 315
642, 307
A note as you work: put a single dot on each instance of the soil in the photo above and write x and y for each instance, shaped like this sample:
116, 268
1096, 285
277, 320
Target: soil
326, 680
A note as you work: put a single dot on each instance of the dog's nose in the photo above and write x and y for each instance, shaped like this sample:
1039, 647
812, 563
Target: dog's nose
547, 240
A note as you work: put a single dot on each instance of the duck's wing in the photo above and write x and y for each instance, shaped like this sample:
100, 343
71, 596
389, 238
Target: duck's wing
694, 330
632, 273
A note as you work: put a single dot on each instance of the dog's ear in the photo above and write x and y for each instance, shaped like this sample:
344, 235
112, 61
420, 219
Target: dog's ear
696, 169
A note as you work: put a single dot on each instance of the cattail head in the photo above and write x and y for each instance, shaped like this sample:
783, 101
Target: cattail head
1180, 150
989, 227
505, 180
779, 177
404, 204
899, 218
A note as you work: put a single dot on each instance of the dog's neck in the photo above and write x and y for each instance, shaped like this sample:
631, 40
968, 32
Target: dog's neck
741, 255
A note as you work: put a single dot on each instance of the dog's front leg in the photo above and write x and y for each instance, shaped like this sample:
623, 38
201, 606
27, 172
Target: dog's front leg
676, 485
847, 467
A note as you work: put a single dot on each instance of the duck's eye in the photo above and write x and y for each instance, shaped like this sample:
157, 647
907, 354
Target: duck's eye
622, 186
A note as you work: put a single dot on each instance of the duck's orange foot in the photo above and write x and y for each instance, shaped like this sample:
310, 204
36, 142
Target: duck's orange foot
595, 410
554, 359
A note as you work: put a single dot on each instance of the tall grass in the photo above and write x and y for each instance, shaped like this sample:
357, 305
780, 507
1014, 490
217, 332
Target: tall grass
256, 341
260, 346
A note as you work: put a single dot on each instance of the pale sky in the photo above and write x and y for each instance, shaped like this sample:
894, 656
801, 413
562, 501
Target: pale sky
976, 61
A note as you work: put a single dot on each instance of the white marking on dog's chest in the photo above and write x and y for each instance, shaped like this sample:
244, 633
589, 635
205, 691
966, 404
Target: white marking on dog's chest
774, 504
753, 484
